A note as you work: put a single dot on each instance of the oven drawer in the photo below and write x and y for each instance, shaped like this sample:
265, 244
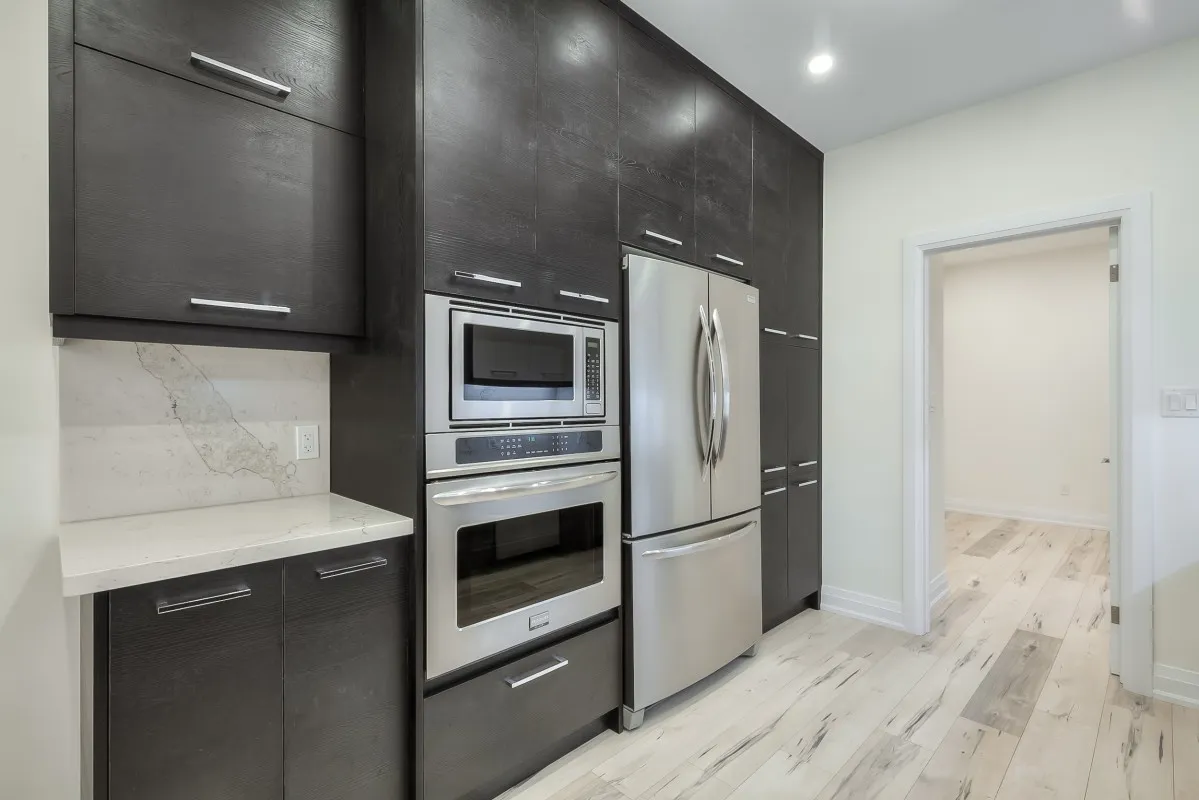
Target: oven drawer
484, 735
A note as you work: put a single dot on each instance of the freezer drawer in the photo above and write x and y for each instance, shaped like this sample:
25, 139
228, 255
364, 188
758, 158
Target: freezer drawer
696, 605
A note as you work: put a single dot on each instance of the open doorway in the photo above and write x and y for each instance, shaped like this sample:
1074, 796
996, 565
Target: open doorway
1132, 405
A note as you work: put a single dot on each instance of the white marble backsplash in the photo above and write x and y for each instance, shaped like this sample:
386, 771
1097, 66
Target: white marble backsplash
156, 427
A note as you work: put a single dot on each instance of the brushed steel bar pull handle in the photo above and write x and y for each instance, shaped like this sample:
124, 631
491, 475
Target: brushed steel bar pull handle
516, 683
807, 464
664, 238
695, 547
239, 75
805, 483
577, 296
170, 606
729, 260
332, 572
775, 331
805, 336
774, 491
481, 278
769, 470
460, 497
200, 301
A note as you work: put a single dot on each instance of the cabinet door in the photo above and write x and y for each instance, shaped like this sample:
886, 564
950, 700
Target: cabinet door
657, 148
803, 255
195, 701
773, 374
309, 50
771, 223
346, 682
184, 194
803, 539
480, 129
576, 156
723, 181
776, 573
803, 401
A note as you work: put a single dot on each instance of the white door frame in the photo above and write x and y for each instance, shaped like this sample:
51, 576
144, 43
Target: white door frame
1134, 456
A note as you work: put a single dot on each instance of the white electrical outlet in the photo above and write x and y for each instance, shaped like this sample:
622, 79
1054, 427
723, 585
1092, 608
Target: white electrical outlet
308, 442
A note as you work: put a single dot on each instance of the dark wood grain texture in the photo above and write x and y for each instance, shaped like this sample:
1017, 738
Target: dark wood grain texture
774, 357
803, 400
484, 731
803, 541
184, 192
312, 46
195, 696
805, 200
115, 329
657, 146
776, 592
347, 701
723, 181
61, 129
771, 223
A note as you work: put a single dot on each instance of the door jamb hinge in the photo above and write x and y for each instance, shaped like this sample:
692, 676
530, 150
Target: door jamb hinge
1114, 273
1115, 615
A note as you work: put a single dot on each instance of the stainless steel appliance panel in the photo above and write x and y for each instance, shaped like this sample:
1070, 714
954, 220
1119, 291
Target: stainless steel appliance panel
442, 456
671, 388
514, 556
696, 604
736, 457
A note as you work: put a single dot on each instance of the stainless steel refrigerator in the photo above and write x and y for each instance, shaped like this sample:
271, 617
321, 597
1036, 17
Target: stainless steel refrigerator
692, 539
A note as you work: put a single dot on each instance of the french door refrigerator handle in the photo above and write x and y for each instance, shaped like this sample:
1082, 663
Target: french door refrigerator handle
726, 387
709, 447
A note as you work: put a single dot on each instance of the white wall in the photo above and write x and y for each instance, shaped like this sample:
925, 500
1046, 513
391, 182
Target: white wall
1127, 127
38, 629
1025, 392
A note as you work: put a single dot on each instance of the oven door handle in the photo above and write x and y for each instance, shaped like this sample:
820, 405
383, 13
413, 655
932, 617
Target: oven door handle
460, 497
695, 547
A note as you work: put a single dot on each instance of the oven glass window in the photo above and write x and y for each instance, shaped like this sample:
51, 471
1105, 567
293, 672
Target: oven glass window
506, 364
514, 563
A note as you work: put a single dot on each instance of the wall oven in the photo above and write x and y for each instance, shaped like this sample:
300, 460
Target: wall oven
488, 363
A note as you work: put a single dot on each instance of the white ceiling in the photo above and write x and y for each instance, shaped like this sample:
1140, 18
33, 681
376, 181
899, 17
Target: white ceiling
1032, 245
900, 61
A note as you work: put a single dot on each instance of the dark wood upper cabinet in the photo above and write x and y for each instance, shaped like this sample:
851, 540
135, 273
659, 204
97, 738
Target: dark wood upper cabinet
771, 223
311, 47
657, 147
347, 690
194, 696
804, 248
186, 196
723, 181
803, 539
480, 148
774, 361
776, 594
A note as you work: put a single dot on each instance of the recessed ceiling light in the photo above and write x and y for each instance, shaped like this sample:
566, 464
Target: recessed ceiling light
820, 64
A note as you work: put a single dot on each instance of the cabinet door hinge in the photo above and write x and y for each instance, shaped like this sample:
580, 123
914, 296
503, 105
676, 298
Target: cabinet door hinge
1115, 615
1114, 273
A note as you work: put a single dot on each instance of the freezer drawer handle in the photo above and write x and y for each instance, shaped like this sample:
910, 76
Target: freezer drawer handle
516, 683
707, 544
663, 238
460, 497
333, 572
169, 606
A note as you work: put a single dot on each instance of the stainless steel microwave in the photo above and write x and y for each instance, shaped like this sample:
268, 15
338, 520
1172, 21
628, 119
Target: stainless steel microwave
490, 364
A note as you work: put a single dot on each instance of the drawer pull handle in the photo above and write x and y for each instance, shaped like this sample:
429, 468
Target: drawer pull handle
801, 485
729, 260
332, 572
774, 491
577, 296
769, 470
239, 75
476, 276
516, 683
200, 301
169, 606
775, 331
806, 336
664, 238
807, 464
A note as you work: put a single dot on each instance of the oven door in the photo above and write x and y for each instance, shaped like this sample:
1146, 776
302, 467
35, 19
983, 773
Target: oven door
516, 556
506, 367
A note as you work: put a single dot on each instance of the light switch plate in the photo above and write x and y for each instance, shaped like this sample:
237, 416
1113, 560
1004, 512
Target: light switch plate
308, 442
1179, 402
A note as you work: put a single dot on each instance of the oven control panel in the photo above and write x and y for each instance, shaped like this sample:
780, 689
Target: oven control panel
593, 370
514, 446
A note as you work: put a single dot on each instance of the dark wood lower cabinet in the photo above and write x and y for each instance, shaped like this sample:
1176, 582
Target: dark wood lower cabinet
486, 734
803, 538
776, 597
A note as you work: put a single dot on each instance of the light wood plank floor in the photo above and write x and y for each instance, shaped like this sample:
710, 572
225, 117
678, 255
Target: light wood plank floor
1008, 698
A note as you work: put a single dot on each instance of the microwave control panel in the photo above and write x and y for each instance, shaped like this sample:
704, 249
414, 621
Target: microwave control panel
510, 447
593, 371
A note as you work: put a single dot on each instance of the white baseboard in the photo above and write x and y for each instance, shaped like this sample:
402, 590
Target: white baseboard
1176, 685
938, 588
869, 608
1046, 515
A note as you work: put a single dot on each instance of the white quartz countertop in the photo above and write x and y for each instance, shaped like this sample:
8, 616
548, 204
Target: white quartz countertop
104, 554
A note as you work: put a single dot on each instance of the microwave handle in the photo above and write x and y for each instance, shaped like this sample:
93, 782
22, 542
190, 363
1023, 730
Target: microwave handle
514, 491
